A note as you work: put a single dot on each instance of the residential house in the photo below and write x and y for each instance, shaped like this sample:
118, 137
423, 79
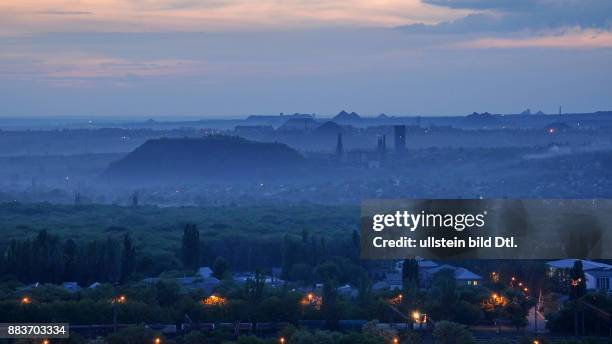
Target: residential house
205, 272
463, 276
598, 275
428, 269
270, 280
71, 287
348, 291
202, 280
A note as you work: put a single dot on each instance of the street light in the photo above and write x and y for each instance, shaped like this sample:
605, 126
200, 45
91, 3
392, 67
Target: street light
419, 318
26, 300
395, 340
497, 301
157, 340
46, 341
282, 340
118, 299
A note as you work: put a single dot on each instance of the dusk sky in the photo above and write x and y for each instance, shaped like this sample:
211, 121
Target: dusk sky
221, 58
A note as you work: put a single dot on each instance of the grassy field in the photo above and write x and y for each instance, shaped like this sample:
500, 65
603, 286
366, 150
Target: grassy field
157, 228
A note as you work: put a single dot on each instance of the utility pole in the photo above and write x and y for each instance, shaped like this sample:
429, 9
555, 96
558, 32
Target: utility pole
535, 311
535, 318
115, 298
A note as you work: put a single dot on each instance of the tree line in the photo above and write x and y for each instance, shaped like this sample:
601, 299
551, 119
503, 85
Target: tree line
48, 259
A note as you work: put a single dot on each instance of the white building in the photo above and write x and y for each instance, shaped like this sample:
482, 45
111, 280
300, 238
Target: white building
463, 276
598, 275
427, 270
71, 287
205, 272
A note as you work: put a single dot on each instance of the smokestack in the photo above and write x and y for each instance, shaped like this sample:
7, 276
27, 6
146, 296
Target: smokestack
400, 137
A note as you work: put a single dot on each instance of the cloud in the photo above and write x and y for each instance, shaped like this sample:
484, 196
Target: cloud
64, 13
573, 39
520, 15
26, 16
76, 68
485, 4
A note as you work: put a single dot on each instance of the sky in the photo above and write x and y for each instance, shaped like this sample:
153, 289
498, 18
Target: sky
222, 58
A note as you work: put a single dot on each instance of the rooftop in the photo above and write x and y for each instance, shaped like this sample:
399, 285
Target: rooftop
586, 264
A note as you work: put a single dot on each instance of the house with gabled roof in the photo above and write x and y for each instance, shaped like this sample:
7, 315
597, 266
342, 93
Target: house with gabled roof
598, 275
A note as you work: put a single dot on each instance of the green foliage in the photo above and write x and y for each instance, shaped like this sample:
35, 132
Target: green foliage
156, 229
444, 286
220, 268
288, 332
196, 337
517, 314
364, 287
328, 271
410, 281
467, 313
447, 332
318, 337
133, 335
46, 259
410, 272
167, 292
295, 336
98, 251
301, 272
128, 258
371, 330
190, 249
253, 340
445, 301
578, 281
505, 341
254, 287
572, 312
330, 308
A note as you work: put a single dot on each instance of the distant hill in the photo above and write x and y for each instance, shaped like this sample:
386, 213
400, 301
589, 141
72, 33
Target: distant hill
344, 116
204, 159
329, 128
282, 116
484, 118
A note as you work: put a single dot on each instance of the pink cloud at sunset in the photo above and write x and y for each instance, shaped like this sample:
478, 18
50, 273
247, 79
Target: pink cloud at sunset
184, 15
572, 39
84, 66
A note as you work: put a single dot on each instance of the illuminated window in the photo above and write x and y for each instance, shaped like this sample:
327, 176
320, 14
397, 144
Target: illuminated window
603, 283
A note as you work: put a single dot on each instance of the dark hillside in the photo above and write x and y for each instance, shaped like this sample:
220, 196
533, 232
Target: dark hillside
205, 159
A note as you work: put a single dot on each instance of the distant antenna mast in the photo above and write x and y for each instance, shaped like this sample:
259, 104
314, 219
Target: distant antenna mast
560, 110
339, 147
